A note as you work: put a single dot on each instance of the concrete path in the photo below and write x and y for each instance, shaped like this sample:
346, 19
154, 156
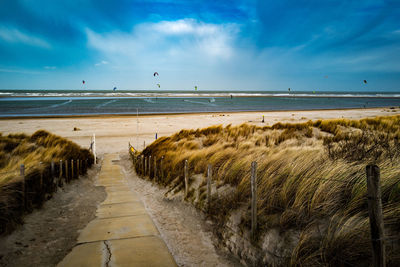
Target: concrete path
123, 234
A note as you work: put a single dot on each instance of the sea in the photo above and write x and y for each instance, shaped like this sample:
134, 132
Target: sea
38, 103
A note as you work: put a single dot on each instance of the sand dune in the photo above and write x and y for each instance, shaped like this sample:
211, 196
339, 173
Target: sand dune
114, 132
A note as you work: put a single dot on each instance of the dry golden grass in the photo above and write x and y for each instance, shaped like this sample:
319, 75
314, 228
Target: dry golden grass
311, 178
17, 149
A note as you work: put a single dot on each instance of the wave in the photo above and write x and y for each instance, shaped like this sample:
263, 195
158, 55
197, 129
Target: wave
202, 103
106, 103
148, 100
62, 104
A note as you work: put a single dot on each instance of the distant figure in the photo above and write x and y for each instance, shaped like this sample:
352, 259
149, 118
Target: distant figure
231, 96
156, 136
263, 119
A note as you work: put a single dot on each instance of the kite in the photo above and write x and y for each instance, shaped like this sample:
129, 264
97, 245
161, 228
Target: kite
155, 73
158, 85
115, 88
195, 88
83, 81
289, 89
365, 81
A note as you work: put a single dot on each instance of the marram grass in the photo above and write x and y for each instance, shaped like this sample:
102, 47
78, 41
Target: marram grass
311, 179
17, 149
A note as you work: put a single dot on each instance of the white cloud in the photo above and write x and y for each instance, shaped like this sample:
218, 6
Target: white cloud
50, 67
13, 35
181, 39
186, 26
23, 71
103, 62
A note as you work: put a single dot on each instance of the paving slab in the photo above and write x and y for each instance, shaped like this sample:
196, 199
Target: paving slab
143, 251
117, 188
120, 209
120, 197
111, 183
89, 254
117, 228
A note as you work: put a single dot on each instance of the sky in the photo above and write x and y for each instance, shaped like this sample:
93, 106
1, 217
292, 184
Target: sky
305, 45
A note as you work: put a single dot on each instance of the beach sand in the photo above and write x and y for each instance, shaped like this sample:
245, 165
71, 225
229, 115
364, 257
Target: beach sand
113, 133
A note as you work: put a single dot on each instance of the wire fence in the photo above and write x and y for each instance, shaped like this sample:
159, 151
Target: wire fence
143, 166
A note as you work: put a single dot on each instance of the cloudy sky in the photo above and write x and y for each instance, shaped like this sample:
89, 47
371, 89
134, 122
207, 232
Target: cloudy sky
217, 45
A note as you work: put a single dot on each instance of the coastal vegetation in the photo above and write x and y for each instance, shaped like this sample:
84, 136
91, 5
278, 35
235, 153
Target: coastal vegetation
36, 152
312, 204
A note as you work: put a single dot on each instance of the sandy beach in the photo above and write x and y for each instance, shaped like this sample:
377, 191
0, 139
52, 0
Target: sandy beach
113, 133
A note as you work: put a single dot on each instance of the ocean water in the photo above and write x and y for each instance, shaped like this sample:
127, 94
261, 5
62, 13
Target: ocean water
16, 103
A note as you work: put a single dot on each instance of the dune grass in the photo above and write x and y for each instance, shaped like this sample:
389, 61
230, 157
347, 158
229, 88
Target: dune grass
311, 179
17, 149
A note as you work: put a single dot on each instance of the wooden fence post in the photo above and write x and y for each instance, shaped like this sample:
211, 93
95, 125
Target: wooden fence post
375, 215
53, 176
186, 178
66, 171
41, 182
41, 176
161, 169
155, 168
145, 166
60, 182
72, 169
78, 167
94, 148
140, 164
209, 176
253, 199
149, 167
22, 173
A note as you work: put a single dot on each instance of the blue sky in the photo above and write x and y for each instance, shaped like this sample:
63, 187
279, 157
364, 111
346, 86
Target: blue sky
214, 44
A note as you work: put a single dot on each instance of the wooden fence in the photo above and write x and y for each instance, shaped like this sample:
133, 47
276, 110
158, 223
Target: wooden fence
35, 185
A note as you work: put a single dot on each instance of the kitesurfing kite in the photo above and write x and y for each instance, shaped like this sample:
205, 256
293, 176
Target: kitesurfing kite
365, 81
288, 89
115, 88
195, 88
83, 81
155, 73
158, 85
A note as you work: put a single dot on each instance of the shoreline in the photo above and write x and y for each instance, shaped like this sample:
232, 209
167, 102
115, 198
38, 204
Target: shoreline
181, 113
